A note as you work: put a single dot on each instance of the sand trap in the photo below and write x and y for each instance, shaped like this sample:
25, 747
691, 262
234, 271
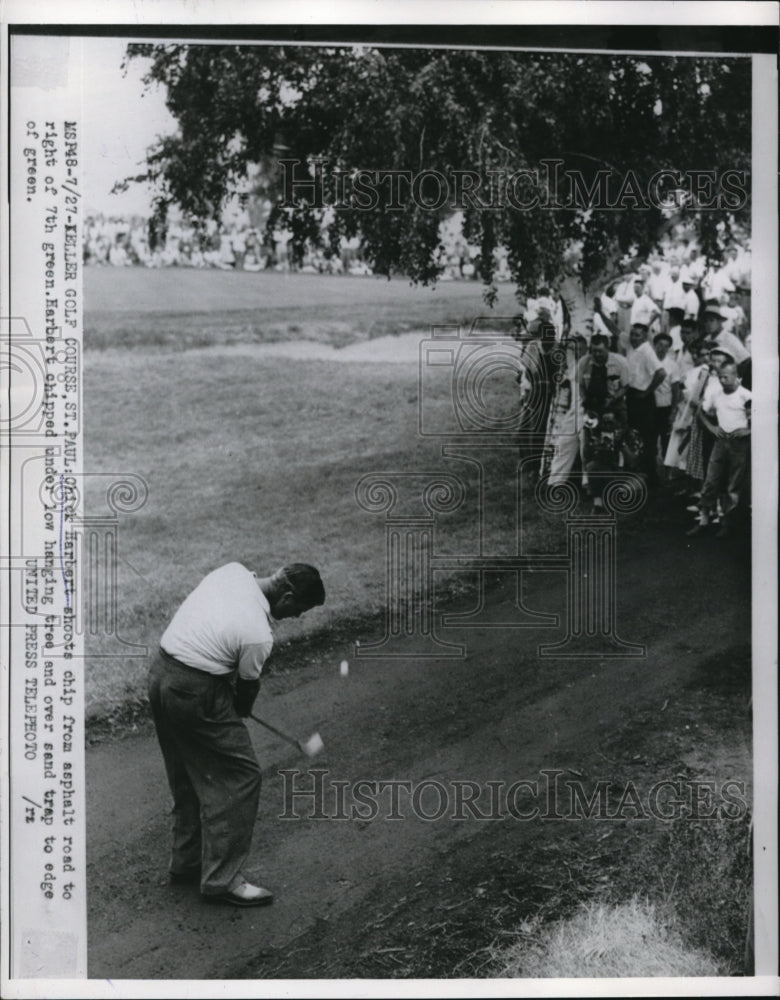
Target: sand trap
401, 349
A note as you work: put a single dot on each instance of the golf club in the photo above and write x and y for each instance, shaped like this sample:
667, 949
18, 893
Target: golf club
310, 747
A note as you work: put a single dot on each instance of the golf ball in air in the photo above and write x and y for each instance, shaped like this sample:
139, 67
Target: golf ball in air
344, 668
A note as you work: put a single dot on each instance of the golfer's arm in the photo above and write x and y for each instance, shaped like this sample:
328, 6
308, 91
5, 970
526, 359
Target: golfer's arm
251, 660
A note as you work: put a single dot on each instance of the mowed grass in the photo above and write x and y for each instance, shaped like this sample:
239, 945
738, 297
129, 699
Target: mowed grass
254, 456
186, 307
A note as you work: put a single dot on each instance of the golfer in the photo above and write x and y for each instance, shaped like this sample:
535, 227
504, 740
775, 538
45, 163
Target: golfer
203, 682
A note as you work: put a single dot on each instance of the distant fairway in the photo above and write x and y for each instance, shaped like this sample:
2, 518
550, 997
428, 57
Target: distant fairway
185, 307
252, 452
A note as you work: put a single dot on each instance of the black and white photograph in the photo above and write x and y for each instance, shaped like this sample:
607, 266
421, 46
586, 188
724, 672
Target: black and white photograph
390, 450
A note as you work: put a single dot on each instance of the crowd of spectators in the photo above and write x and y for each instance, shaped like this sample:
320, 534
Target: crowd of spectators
122, 242
239, 246
655, 378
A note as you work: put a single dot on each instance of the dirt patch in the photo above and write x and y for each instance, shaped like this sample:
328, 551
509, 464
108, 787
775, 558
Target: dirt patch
446, 919
377, 898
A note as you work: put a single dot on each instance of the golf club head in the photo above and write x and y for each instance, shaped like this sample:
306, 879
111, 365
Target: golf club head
313, 745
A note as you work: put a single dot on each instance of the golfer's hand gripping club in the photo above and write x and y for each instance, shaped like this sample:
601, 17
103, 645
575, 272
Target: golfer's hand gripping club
245, 694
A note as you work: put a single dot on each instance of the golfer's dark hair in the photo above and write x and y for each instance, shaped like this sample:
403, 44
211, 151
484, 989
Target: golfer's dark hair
599, 338
305, 582
662, 336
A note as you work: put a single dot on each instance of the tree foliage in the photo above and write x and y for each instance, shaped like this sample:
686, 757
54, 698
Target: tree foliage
415, 110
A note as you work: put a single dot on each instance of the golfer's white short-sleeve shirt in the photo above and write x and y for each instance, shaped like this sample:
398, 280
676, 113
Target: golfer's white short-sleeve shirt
224, 624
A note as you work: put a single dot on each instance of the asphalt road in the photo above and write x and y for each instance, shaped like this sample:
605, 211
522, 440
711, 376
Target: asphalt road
499, 714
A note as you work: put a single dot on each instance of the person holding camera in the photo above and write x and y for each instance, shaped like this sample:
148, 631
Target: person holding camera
603, 381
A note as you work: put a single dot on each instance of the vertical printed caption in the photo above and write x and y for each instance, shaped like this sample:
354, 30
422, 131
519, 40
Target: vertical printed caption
42, 432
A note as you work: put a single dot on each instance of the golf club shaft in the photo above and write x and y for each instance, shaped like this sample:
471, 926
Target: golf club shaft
278, 732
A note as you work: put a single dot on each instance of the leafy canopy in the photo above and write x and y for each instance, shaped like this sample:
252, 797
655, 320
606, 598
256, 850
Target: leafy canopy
415, 110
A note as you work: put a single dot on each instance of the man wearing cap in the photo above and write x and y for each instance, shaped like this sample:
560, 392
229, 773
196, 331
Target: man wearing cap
680, 295
202, 683
645, 374
691, 301
731, 344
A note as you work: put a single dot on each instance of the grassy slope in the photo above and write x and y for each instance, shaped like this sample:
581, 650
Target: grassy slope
249, 456
132, 307
256, 458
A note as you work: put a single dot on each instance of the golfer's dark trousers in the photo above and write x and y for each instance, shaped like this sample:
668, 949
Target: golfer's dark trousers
212, 771
641, 416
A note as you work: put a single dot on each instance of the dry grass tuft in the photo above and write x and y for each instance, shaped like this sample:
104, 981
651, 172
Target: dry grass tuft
603, 941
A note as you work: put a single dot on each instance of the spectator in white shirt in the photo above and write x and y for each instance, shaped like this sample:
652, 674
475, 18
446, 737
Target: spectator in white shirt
643, 309
732, 267
673, 319
605, 312
645, 374
685, 453
674, 294
667, 393
558, 313
729, 402
624, 296
696, 265
735, 321
608, 304
680, 294
691, 301
717, 283
686, 356
713, 328
657, 283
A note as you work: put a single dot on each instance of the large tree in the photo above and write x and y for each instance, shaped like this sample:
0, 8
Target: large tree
602, 119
